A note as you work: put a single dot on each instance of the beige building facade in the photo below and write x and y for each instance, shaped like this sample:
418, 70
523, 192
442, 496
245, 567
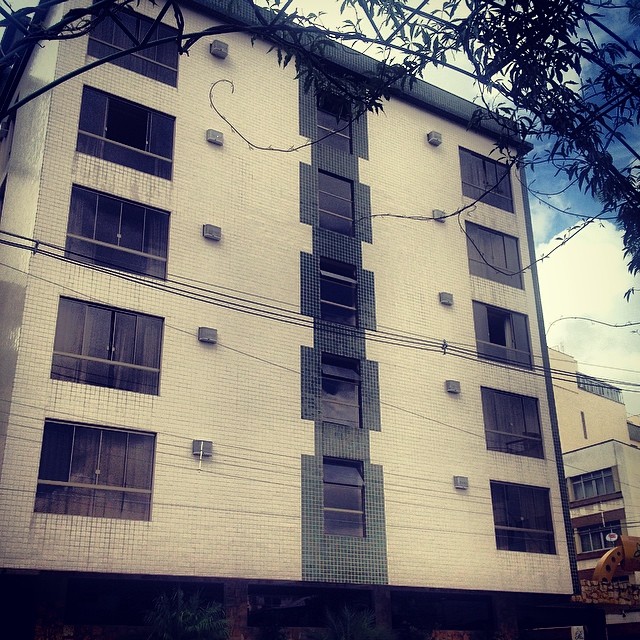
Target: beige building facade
252, 371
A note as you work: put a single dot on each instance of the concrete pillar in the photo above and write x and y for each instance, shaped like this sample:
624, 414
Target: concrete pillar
382, 606
236, 594
505, 617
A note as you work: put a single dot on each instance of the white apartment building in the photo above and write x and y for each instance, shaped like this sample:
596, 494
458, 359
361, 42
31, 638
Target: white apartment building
250, 371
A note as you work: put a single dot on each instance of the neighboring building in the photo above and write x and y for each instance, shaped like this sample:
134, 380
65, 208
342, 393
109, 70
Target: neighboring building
601, 453
221, 370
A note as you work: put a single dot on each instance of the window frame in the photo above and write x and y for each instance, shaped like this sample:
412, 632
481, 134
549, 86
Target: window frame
339, 136
598, 387
355, 517
336, 372
501, 253
599, 531
594, 479
83, 248
491, 183
326, 198
337, 277
64, 478
87, 332
103, 42
518, 409
536, 511
511, 341
99, 114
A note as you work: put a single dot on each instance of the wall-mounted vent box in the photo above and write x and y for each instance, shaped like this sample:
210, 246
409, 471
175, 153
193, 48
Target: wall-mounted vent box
208, 335
446, 298
203, 448
215, 137
219, 49
461, 482
452, 386
211, 232
434, 138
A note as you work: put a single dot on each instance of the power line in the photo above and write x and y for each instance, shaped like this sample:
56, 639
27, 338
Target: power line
273, 312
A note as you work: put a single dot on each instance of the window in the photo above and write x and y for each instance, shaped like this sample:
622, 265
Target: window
343, 497
522, 518
116, 233
338, 301
591, 485
593, 385
594, 538
511, 423
90, 471
501, 335
125, 133
485, 180
334, 122
107, 347
159, 62
335, 203
493, 255
340, 390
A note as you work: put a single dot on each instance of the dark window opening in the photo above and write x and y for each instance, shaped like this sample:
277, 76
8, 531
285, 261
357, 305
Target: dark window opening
343, 497
335, 203
593, 484
486, 180
493, 255
501, 334
117, 233
522, 518
334, 122
340, 390
594, 538
90, 471
158, 62
512, 423
107, 347
125, 133
338, 294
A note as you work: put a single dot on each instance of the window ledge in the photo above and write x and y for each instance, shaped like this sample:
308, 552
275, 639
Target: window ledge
603, 498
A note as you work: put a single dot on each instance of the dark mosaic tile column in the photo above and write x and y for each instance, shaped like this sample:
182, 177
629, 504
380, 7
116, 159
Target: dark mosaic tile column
325, 557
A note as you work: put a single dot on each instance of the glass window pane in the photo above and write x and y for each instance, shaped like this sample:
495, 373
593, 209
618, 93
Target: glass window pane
132, 227
108, 220
342, 497
82, 212
343, 523
93, 111
147, 341
139, 461
84, 462
55, 459
112, 458
124, 337
161, 135
156, 232
70, 326
97, 332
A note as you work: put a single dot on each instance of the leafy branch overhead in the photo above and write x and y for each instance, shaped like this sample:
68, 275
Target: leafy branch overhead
564, 72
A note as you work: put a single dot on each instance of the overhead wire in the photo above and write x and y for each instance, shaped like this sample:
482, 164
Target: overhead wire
273, 312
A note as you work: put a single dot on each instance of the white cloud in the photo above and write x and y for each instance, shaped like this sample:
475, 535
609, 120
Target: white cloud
588, 277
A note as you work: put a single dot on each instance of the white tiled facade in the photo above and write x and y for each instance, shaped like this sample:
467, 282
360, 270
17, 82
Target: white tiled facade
239, 516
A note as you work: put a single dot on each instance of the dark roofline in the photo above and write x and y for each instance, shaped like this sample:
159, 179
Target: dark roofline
419, 93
